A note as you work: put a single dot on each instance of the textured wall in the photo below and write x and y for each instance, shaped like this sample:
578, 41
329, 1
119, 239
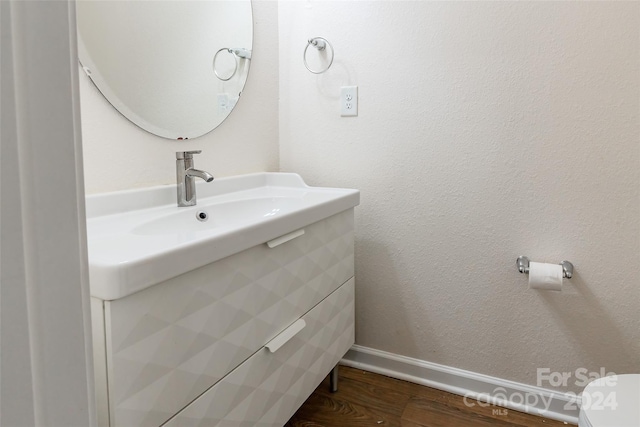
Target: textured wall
119, 155
487, 130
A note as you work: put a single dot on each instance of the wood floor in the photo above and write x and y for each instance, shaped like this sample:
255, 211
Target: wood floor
368, 399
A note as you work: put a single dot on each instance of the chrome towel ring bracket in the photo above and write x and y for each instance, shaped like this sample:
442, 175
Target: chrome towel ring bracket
321, 44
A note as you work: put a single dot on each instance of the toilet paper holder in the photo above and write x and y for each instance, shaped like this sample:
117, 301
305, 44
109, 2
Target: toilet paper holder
523, 267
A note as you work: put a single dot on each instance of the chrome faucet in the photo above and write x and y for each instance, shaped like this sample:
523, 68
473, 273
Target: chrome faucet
186, 175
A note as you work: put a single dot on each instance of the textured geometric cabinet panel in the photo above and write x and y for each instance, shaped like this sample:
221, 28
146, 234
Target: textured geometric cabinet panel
268, 388
169, 343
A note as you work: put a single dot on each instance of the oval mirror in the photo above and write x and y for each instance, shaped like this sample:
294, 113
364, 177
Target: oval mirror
174, 68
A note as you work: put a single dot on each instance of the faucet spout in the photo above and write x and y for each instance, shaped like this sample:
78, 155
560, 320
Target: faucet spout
196, 173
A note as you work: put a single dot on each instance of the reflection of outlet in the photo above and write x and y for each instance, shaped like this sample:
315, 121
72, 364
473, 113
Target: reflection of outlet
223, 103
349, 101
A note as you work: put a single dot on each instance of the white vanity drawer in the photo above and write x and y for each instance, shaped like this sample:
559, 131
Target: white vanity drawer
169, 343
268, 388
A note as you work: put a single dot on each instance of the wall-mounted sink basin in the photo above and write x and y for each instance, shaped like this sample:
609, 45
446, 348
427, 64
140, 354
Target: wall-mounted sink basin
220, 214
140, 238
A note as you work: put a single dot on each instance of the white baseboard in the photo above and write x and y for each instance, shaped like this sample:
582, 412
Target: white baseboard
508, 394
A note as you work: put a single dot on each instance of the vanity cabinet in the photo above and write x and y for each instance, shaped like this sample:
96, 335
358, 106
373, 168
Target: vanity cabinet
242, 341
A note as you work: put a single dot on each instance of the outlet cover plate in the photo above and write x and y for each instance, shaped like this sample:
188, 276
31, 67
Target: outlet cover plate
348, 101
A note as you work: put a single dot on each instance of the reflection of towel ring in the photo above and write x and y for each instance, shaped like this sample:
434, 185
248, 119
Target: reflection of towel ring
319, 43
235, 58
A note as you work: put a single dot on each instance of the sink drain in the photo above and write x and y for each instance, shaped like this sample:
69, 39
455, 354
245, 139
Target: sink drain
202, 216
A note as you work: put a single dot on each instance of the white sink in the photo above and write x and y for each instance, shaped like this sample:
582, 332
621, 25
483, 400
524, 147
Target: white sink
221, 214
139, 238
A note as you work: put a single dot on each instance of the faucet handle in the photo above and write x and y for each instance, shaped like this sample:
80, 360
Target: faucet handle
186, 155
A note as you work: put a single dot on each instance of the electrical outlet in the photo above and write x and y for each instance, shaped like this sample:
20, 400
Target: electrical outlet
349, 101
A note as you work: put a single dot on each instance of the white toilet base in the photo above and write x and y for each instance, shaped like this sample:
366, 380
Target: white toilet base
611, 402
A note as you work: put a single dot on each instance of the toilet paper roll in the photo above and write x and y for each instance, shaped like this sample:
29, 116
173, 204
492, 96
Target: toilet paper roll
545, 276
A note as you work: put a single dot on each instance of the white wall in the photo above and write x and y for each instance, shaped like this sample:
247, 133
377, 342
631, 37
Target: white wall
487, 130
118, 155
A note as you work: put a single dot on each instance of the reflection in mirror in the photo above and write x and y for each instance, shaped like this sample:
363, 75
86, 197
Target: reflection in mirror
154, 60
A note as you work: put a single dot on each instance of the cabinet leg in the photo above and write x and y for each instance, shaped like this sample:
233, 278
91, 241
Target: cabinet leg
333, 379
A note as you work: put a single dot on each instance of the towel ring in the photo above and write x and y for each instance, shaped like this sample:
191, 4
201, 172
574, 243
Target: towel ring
319, 43
235, 57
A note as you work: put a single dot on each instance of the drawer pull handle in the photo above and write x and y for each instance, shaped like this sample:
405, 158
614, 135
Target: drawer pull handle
284, 239
284, 336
